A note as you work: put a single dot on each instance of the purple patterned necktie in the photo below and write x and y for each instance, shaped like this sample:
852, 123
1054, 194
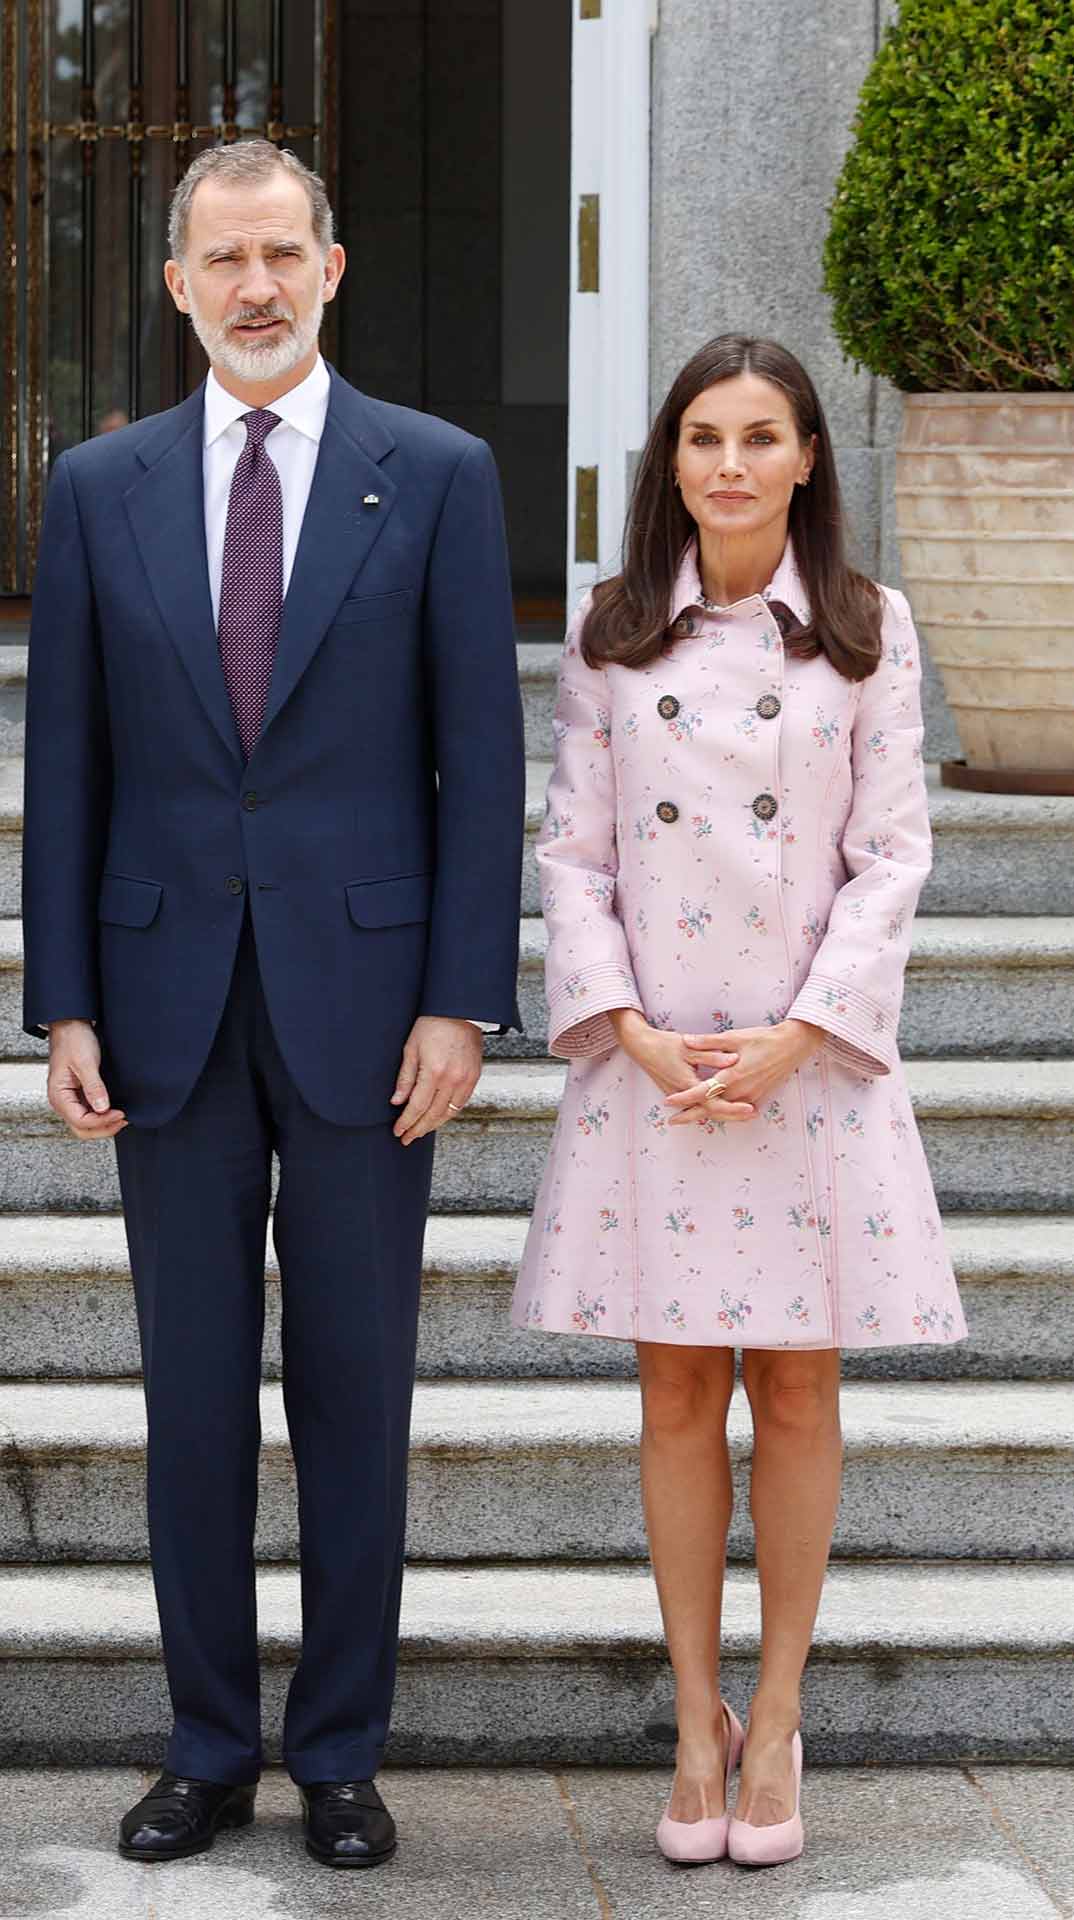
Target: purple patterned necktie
251, 581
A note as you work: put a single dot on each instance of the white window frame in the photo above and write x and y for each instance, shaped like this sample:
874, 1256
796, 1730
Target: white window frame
609, 328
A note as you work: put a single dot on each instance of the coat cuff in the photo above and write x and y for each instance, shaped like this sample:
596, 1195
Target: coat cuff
858, 1029
578, 1009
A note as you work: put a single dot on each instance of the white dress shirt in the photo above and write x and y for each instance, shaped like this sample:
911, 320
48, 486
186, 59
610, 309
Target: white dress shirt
292, 447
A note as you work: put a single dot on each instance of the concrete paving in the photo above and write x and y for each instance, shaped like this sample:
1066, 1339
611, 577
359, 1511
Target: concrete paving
567, 1845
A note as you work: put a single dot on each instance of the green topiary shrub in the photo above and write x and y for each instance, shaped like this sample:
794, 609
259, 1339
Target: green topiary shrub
950, 255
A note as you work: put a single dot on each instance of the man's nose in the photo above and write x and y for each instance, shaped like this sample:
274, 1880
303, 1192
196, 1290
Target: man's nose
257, 286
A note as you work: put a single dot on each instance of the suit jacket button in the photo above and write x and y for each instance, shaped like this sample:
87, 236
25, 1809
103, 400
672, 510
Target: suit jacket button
765, 806
234, 884
249, 802
668, 812
668, 707
768, 706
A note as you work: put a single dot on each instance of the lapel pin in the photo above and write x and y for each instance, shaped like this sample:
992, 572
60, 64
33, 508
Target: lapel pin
371, 500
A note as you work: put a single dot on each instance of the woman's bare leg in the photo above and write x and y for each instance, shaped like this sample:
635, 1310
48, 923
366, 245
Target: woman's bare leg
686, 1490
794, 1497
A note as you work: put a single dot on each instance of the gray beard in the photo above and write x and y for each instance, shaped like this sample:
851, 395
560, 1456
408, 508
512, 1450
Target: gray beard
248, 362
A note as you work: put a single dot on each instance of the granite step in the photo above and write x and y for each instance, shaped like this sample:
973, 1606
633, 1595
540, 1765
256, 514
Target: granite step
1001, 986
67, 1306
538, 665
548, 1470
12, 696
992, 853
975, 984
552, 1665
999, 1135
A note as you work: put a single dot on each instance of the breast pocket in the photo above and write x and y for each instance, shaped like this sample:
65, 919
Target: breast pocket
374, 606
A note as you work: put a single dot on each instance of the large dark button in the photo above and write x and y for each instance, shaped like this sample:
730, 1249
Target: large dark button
234, 884
668, 812
765, 806
249, 801
668, 707
768, 706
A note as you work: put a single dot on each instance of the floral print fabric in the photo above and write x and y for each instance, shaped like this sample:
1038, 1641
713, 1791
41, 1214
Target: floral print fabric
733, 836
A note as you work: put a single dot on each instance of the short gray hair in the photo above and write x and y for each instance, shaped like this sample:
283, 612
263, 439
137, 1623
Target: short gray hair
246, 163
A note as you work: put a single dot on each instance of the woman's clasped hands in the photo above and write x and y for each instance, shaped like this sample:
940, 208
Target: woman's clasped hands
750, 1061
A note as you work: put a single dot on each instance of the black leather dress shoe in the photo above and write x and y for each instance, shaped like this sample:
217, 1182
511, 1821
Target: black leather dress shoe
181, 1816
347, 1824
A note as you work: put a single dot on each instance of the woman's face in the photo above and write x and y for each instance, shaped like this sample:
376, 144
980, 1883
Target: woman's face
739, 456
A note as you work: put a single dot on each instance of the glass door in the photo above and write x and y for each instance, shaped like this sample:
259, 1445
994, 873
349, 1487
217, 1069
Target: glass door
104, 105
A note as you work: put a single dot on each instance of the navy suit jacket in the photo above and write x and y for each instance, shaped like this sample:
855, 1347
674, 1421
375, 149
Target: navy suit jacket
375, 834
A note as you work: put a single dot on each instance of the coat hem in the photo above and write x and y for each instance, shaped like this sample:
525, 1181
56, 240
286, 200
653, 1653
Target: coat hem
764, 1346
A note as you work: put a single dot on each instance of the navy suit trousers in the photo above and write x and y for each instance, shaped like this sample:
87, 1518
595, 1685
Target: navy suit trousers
348, 1229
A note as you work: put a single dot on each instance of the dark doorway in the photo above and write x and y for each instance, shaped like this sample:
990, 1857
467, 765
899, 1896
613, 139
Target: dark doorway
454, 189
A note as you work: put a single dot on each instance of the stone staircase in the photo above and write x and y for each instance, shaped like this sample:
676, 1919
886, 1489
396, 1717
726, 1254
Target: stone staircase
530, 1629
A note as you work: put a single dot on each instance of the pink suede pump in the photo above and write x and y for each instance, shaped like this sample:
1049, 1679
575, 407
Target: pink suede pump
695, 1843
753, 1846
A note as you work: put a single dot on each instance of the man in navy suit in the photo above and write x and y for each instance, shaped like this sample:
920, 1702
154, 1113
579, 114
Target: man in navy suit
273, 833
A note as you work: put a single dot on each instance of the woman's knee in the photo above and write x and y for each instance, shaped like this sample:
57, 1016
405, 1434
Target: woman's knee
680, 1394
794, 1394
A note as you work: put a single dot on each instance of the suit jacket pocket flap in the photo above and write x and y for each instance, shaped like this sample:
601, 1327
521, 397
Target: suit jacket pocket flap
375, 606
390, 903
125, 902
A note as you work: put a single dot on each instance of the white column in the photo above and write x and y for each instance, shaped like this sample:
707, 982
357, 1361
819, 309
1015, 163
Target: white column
609, 326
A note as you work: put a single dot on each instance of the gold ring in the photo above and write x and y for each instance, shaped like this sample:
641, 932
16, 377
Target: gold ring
453, 1108
714, 1087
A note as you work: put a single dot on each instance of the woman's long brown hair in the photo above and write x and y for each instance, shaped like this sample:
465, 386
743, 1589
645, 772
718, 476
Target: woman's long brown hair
628, 620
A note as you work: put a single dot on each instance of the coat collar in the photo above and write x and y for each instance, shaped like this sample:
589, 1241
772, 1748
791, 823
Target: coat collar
786, 585
166, 507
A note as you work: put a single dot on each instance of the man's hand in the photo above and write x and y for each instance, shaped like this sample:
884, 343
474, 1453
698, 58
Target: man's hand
766, 1057
75, 1088
441, 1065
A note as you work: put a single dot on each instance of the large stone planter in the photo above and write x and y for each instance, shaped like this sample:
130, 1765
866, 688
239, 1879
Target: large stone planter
985, 512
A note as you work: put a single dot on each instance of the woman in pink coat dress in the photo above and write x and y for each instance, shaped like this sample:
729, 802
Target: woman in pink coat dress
736, 837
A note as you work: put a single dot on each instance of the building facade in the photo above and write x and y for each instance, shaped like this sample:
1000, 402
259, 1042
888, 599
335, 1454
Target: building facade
546, 208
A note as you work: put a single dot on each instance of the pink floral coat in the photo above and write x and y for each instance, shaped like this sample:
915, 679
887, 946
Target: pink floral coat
732, 836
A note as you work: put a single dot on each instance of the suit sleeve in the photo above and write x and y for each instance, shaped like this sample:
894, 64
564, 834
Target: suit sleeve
68, 775
476, 709
854, 987
588, 971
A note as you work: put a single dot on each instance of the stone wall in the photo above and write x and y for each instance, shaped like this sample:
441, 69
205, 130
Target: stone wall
752, 106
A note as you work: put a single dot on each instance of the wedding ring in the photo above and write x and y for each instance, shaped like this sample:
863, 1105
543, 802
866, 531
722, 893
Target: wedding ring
453, 1108
714, 1087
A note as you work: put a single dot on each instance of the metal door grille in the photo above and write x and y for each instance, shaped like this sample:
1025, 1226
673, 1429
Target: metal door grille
104, 103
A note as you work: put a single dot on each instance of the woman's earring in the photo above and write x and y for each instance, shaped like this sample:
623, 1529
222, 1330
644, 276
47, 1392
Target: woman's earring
677, 481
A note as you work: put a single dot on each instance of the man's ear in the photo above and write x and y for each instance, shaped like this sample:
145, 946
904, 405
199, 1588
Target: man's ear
175, 282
